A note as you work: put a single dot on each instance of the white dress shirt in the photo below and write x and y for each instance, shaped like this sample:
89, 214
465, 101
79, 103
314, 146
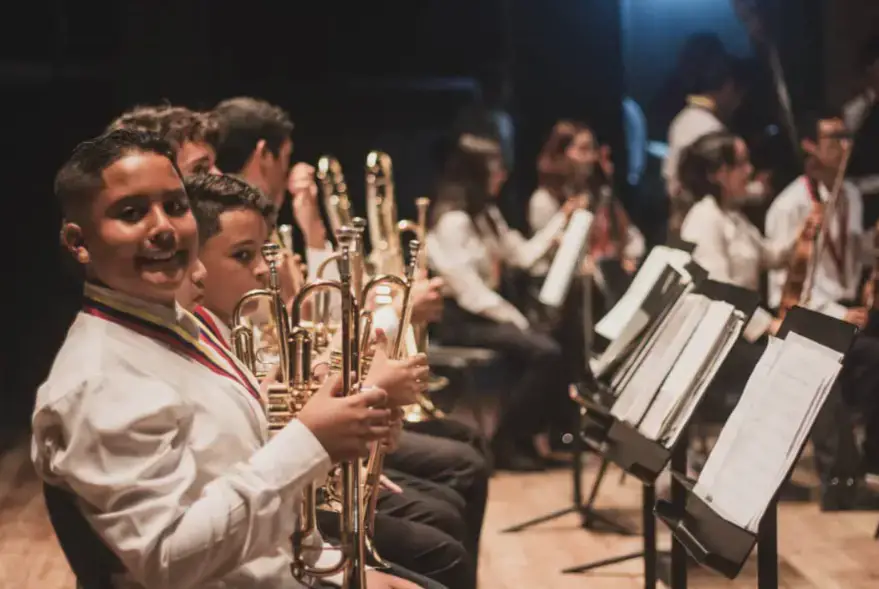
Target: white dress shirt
170, 462
784, 222
465, 257
728, 245
543, 206
689, 125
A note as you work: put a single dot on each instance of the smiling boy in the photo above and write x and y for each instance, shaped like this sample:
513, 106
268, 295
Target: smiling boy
155, 439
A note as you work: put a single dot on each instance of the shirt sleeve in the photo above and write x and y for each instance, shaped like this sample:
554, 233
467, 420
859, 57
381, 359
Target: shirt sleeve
711, 251
315, 257
634, 248
121, 445
525, 253
542, 206
448, 250
784, 220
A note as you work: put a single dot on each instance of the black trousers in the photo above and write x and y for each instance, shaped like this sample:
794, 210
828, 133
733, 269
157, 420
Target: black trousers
534, 357
449, 455
418, 530
859, 387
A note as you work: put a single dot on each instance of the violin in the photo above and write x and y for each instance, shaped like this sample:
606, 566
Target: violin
610, 226
809, 245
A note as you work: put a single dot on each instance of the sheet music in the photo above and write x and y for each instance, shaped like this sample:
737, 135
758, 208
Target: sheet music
668, 291
674, 334
567, 260
648, 340
618, 346
760, 442
611, 325
696, 364
683, 412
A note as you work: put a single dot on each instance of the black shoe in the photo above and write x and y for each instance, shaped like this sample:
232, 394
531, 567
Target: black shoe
508, 455
849, 495
519, 463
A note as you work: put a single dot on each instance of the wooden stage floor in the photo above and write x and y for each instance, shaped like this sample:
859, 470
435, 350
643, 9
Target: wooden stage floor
820, 551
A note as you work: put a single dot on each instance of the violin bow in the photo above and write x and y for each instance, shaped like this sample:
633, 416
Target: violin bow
748, 12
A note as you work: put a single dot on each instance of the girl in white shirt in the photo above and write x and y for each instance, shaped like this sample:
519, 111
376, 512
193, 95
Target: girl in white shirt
572, 170
469, 244
717, 167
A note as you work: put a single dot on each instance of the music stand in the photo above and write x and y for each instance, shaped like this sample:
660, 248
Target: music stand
711, 540
595, 398
646, 459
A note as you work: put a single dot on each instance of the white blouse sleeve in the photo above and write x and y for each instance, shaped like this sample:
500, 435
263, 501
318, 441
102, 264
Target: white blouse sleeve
541, 208
634, 248
315, 257
449, 251
711, 251
525, 253
120, 445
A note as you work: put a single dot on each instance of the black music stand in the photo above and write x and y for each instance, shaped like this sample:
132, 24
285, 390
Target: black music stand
595, 397
646, 459
716, 543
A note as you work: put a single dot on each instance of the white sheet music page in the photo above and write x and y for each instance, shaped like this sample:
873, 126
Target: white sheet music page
682, 413
610, 326
710, 338
639, 321
742, 475
567, 260
676, 331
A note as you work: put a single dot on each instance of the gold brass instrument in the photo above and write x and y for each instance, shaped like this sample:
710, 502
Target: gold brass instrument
280, 400
289, 395
335, 192
387, 257
353, 531
381, 212
375, 465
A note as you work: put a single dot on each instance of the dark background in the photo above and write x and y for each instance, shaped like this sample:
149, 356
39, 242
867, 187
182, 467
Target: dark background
355, 76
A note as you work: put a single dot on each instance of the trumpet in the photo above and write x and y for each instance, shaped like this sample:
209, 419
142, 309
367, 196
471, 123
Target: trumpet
281, 400
335, 192
289, 395
387, 257
353, 532
375, 464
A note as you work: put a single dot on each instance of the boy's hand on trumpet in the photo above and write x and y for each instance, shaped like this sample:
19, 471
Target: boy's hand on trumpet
403, 379
346, 426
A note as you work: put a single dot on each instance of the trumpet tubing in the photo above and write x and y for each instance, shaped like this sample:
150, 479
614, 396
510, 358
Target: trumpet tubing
353, 542
335, 192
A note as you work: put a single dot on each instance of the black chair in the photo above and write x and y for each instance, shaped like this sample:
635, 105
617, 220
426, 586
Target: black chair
92, 562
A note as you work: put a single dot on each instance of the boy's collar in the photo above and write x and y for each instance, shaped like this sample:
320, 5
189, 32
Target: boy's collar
158, 313
702, 101
216, 325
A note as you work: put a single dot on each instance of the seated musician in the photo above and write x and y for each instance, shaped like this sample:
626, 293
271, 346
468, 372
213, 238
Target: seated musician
191, 134
413, 528
468, 244
255, 144
838, 270
716, 170
571, 166
153, 438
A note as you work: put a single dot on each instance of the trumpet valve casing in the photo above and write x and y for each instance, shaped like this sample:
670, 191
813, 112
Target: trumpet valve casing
279, 410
